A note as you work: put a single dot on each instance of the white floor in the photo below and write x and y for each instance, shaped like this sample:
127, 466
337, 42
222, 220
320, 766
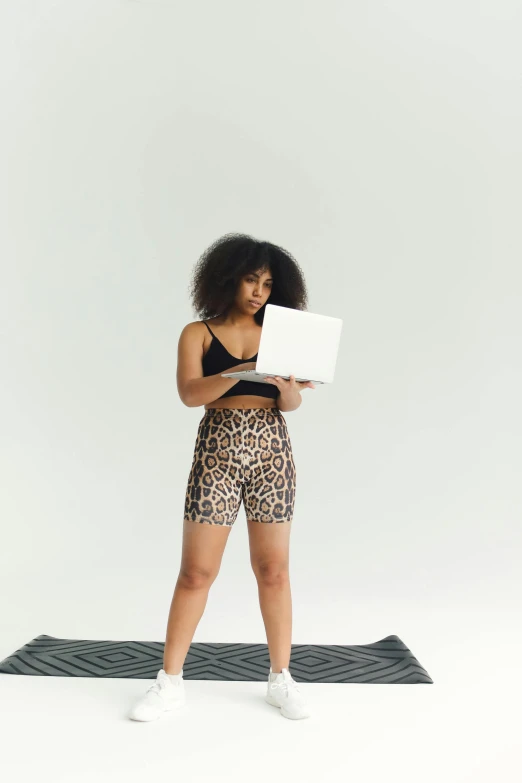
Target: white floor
464, 727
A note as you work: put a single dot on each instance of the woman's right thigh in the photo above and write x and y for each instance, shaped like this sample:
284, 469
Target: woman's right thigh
213, 496
202, 551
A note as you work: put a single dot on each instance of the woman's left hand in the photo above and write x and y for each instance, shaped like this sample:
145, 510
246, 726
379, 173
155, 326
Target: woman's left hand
289, 390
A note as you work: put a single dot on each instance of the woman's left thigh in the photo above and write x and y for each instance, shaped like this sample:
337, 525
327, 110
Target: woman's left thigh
268, 489
269, 547
269, 476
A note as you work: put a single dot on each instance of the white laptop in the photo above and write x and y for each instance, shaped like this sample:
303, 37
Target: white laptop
295, 342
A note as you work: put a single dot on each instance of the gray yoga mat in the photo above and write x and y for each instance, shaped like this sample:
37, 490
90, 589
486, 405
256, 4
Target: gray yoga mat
385, 661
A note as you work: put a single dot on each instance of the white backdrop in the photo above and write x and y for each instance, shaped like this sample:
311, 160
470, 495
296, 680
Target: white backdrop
380, 144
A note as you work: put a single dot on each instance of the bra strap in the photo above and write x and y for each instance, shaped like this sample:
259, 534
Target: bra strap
209, 329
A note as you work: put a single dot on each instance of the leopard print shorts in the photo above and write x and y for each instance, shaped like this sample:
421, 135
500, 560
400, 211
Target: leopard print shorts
241, 454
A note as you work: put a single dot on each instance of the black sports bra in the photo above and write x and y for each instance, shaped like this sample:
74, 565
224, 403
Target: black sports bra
217, 359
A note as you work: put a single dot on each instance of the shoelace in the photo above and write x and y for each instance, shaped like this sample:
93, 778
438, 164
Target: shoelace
155, 687
286, 686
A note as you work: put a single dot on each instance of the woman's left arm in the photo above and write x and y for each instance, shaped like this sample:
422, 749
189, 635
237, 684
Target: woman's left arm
289, 397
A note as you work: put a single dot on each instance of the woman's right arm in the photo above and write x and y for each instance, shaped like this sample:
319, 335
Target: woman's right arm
194, 389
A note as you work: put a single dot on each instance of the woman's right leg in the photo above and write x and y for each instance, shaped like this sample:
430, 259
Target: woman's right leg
202, 552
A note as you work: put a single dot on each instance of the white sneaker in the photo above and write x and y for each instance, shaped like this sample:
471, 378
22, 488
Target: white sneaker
283, 692
163, 696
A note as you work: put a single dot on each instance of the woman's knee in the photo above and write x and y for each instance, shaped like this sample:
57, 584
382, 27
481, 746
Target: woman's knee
271, 572
194, 577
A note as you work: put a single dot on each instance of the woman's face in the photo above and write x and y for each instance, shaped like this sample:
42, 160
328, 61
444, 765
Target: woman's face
254, 287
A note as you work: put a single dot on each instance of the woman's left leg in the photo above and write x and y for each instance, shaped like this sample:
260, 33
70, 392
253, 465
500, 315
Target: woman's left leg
269, 556
269, 497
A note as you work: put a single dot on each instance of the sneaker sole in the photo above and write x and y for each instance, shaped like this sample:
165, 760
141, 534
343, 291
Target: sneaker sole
268, 700
164, 713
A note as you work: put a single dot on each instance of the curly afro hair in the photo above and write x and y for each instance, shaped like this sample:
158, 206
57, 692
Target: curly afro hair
219, 270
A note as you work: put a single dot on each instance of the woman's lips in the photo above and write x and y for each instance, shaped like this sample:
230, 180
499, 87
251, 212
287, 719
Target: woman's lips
254, 304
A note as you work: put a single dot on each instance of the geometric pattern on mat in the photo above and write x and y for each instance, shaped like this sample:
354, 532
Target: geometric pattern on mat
385, 661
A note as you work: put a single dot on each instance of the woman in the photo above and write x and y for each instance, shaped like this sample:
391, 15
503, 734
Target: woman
242, 452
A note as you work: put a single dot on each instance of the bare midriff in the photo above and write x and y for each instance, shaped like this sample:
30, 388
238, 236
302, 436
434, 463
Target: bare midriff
243, 401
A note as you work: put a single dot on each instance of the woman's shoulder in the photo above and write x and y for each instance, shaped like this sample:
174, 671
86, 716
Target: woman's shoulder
212, 322
194, 325
198, 329
194, 328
